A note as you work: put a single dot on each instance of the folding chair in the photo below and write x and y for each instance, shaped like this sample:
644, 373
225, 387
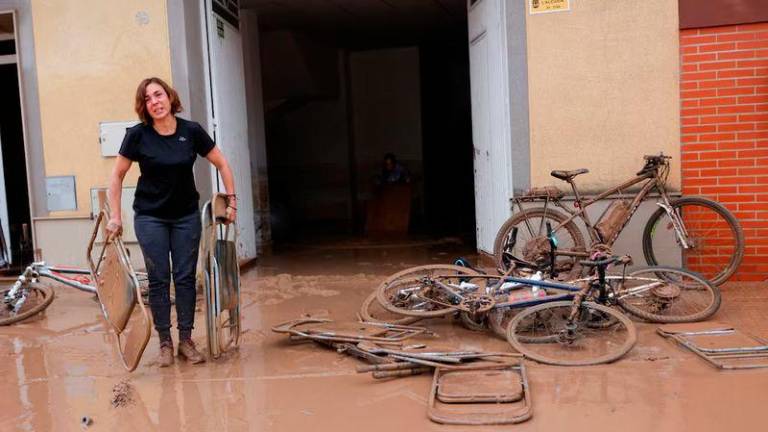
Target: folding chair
219, 274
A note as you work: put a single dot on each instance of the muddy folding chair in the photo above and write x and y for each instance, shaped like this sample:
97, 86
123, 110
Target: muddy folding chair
483, 395
119, 293
219, 274
720, 345
325, 330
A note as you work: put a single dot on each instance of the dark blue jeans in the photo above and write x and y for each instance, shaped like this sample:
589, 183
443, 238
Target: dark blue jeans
164, 241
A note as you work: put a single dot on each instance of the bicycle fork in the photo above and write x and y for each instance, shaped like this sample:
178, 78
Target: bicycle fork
677, 224
569, 334
15, 297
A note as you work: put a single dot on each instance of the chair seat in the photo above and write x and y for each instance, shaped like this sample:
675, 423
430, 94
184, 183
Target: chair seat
568, 175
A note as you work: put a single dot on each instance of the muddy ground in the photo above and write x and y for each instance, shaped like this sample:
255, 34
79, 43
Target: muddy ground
59, 367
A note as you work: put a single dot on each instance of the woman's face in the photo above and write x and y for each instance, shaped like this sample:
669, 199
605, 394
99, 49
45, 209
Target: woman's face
157, 102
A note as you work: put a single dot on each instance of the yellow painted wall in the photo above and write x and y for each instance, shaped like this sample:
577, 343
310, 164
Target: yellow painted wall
91, 55
603, 89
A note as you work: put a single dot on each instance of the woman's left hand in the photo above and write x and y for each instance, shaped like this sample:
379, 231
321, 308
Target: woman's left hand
231, 215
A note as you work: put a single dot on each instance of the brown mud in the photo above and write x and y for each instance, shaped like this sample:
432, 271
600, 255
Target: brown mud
122, 394
63, 365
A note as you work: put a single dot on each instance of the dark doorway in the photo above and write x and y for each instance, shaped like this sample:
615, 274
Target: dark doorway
345, 86
13, 153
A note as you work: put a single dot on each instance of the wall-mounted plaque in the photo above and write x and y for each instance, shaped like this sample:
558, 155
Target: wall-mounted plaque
545, 6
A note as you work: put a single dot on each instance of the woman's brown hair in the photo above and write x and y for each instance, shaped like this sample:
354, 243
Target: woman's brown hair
141, 94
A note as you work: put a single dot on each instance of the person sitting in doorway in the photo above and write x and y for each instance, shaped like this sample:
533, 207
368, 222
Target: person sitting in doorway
393, 172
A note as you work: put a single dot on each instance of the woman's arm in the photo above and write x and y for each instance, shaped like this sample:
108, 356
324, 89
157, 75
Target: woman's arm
114, 195
216, 157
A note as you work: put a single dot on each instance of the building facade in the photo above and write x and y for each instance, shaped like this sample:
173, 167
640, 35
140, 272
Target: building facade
559, 84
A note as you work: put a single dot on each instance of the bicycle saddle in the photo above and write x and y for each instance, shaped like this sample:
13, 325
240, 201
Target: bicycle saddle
568, 175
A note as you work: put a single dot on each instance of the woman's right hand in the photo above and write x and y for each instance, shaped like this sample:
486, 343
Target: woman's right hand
114, 228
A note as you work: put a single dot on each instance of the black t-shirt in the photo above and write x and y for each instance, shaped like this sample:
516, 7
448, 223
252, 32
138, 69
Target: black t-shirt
166, 187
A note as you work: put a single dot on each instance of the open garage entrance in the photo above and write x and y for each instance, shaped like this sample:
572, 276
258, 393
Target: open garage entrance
346, 83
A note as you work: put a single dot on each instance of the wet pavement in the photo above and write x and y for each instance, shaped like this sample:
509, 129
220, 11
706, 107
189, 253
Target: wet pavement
62, 365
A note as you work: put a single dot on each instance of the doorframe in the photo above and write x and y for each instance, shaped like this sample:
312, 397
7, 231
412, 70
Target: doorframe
247, 232
210, 109
24, 134
497, 9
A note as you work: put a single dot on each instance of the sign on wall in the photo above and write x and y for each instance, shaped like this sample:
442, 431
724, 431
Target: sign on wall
544, 6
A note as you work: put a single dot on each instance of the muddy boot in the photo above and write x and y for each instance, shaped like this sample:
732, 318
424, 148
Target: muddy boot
188, 352
165, 358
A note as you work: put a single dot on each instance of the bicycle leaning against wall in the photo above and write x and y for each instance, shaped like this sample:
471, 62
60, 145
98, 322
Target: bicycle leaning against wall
708, 237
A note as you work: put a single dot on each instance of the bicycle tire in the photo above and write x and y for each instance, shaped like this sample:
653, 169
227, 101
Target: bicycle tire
473, 324
719, 276
499, 319
559, 350
539, 212
702, 297
47, 294
368, 316
410, 275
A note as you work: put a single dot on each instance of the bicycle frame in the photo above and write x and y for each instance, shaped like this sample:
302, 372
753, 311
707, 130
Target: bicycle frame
654, 179
40, 269
570, 291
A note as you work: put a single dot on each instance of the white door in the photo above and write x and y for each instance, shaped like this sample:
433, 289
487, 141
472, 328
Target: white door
230, 121
490, 118
4, 211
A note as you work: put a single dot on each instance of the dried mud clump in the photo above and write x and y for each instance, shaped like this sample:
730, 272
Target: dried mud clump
122, 394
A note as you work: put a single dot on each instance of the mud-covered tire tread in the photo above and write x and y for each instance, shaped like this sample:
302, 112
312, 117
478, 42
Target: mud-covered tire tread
519, 217
383, 301
365, 313
724, 275
45, 290
471, 324
699, 316
625, 348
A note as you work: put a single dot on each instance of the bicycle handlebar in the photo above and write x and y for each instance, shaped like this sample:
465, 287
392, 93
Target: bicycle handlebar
657, 157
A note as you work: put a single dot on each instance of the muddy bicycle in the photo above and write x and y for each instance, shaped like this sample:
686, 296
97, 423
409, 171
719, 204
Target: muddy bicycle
29, 295
550, 321
709, 238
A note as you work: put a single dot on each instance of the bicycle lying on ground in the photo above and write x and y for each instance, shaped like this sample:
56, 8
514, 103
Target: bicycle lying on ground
709, 237
554, 322
29, 295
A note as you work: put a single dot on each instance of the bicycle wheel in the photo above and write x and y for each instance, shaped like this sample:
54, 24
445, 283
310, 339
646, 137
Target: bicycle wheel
499, 318
544, 333
715, 238
404, 292
372, 311
39, 297
667, 295
532, 244
477, 322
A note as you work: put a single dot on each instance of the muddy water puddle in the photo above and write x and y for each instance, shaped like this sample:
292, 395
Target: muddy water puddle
62, 366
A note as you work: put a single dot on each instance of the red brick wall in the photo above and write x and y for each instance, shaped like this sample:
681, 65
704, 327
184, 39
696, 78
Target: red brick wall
724, 128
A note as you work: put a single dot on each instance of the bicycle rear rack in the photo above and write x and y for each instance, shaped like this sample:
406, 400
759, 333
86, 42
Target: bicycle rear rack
720, 345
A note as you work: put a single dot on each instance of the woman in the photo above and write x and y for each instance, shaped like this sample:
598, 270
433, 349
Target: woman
166, 207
